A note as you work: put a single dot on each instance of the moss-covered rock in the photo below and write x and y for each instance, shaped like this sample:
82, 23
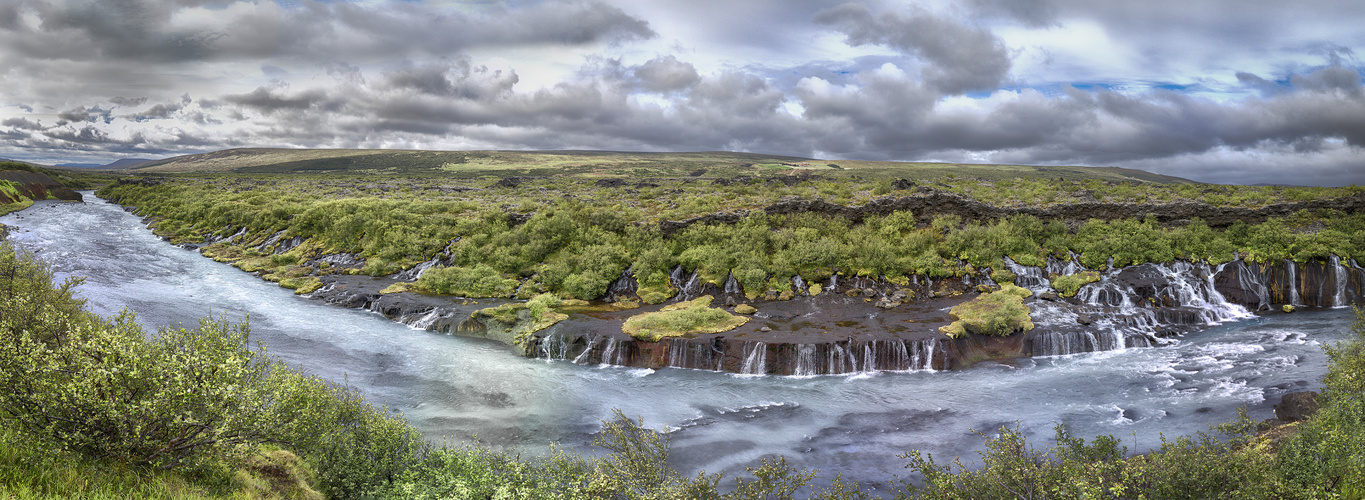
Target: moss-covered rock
682, 319
517, 322
745, 309
1067, 285
1287, 308
999, 313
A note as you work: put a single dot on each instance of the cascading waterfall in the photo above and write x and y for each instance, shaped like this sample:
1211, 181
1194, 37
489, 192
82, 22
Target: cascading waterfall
613, 352
554, 346
799, 284
583, 356
805, 361
1339, 272
1247, 280
755, 358
1293, 280
1032, 278
731, 284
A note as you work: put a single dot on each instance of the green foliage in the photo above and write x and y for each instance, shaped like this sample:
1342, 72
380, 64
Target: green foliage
681, 319
478, 281
578, 244
1068, 284
183, 399
999, 313
1184, 468
1329, 448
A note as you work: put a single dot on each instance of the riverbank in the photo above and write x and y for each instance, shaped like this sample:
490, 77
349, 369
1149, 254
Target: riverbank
858, 324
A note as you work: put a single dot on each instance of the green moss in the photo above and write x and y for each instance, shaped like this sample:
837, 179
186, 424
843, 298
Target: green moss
1004, 276
682, 319
1068, 285
815, 289
998, 313
745, 309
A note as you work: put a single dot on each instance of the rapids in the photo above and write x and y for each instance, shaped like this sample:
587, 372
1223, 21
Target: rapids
464, 389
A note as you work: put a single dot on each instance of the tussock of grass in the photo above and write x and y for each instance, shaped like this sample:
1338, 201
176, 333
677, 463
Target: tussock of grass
1068, 285
998, 313
684, 318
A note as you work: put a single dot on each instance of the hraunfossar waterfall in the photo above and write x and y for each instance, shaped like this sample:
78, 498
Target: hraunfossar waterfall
832, 382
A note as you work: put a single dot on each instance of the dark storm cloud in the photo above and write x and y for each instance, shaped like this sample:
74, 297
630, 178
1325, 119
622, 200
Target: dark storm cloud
127, 101
22, 123
270, 100
361, 32
960, 58
461, 79
1030, 13
151, 32
667, 74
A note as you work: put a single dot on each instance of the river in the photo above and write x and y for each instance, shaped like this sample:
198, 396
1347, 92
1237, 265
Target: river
461, 389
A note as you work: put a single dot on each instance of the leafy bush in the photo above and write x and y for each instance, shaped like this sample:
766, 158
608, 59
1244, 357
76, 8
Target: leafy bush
478, 281
185, 399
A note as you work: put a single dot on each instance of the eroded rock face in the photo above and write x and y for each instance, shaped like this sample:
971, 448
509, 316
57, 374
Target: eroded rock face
929, 203
1297, 406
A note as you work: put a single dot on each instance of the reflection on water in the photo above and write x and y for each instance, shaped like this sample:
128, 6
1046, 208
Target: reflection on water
458, 388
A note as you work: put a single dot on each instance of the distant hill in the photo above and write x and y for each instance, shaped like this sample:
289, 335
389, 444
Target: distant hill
603, 164
128, 163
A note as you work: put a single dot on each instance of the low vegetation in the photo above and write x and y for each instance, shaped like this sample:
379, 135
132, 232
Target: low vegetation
1068, 284
683, 319
573, 237
998, 313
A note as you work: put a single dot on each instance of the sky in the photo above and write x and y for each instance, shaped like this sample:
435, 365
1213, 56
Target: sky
1225, 91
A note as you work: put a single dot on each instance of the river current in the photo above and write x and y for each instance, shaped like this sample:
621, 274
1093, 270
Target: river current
461, 389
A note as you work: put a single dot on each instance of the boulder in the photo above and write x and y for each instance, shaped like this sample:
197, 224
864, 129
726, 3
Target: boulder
1297, 406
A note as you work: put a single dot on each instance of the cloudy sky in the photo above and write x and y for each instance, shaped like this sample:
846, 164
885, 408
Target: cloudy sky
1233, 91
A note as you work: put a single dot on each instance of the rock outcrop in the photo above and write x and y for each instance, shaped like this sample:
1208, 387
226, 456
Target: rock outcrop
36, 186
929, 203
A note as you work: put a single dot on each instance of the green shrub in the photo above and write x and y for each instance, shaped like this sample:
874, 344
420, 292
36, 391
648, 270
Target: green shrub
478, 281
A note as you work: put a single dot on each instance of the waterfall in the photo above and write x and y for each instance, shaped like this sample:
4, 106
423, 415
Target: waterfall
1293, 280
1032, 278
691, 289
1339, 271
554, 346
675, 279
417, 271
805, 360
838, 359
1247, 280
624, 286
684, 353
798, 284
583, 356
270, 241
731, 284
755, 358
614, 352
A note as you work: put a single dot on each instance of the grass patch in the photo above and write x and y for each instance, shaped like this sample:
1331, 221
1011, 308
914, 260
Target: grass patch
1067, 285
682, 319
998, 313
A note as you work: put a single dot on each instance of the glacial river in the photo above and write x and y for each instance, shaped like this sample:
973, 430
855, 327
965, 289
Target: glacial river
462, 389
